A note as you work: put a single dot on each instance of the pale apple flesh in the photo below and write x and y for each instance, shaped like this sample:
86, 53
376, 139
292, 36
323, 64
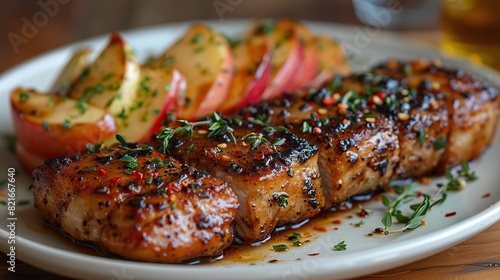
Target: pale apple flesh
111, 80
73, 70
157, 95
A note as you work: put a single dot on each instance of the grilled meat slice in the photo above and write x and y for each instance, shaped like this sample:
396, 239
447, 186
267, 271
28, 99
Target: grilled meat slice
137, 203
275, 184
473, 105
355, 154
389, 117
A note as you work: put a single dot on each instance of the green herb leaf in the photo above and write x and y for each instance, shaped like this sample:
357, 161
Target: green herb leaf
306, 128
336, 82
421, 137
93, 148
89, 169
121, 139
294, 236
386, 200
66, 124
279, 141
282, 199
341, 246
440, 143
280, 248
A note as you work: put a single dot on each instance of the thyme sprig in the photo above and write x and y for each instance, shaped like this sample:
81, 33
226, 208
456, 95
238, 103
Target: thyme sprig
216, 126
455, 182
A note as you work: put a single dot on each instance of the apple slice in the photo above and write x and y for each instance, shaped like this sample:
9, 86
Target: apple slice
158, 94
204, 57
52, 125
252, 64
286, 53
71, 73
309, 63
111, 81
332, 60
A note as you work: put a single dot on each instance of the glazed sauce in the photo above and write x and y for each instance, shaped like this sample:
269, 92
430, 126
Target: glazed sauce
346, 213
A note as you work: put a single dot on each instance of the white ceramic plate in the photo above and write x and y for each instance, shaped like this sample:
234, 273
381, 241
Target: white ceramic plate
477, 207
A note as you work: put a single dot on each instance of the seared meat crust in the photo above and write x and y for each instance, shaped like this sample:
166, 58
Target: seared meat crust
408, 119
262, 177
161, 211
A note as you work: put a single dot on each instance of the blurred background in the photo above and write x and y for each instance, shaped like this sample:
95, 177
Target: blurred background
466, 27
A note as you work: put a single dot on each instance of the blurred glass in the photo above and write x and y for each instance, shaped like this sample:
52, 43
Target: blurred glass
472, 28
398, 14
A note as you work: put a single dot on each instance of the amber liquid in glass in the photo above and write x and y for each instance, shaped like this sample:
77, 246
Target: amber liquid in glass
472, 28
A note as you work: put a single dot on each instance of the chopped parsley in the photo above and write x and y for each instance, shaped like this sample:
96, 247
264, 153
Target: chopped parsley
440, 143
341, 246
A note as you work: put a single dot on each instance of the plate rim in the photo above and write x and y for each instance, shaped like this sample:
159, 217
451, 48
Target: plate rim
481, 220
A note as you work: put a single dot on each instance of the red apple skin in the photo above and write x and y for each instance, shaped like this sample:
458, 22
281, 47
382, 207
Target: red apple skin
258, 85
60, 141
217, 91
308, 67
286, 55
281, 81
247, 87
204, 57
172, 103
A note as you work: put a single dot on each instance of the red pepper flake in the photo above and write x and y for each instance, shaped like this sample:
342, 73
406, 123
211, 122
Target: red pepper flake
328, 100
313, 254
362, 213
102, 171
259, 157
337, 222
317, 130
419, 193
486, 195
215, 159
238, 153
154, 174
450, 214
173, 188
137, 175
116, 179
319, 228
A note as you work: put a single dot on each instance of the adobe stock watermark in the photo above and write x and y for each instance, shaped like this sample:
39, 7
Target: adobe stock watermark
30, 27
223, 6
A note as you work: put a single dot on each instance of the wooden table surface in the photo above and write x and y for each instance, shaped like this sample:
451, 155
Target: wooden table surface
476, 258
